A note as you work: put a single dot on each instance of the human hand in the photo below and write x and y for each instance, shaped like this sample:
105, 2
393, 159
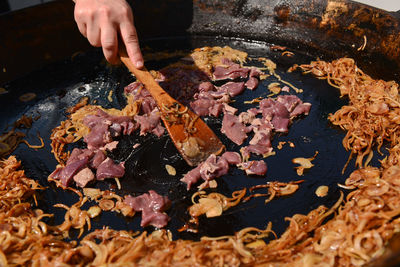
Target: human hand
103, 21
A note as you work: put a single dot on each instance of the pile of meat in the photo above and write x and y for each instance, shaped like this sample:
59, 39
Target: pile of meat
276, 115
194, 88
212, 100
148, 119
217, 166
91, 163
272, 115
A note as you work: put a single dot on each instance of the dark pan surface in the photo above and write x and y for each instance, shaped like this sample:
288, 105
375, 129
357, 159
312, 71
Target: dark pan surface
61, 85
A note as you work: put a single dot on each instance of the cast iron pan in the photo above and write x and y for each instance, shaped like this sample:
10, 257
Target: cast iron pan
61, 84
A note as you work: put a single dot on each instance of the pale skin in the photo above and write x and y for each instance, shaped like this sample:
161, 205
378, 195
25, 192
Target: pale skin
105, 23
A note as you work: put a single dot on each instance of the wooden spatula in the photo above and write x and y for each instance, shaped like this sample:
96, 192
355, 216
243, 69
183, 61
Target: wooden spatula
190, 134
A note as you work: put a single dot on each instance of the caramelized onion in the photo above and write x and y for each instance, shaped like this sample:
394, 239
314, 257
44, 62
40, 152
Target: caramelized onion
106, 204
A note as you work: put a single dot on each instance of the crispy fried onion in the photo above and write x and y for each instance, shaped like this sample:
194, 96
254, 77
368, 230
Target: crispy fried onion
271, 67
275, 189
23, 234
74, 218
373, 113
305, 163
77, 218
108, 201
213, 204
362, 225
15, 187
103, 247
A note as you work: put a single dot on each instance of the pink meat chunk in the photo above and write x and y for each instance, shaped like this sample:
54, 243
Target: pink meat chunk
301, 109
277, 113
156, 219
140, 93
221, 95
261, 138
124, 123
229, 109
233, 88
213, 167
234, 129
255, 72
66, 174
132, 88
97, 159
232, 72
74, 155
191, 177
98, 136
92, 120
126, 126
158, 131
78, 167
209, 102
147, 105
83, 177
260, 144
254, 167
150, 200
281, 124
203, 107
206, 86
251, 83
232, 158
108, 169
79, 154
111, 146
104, 126
254, 111
294, 105
246, 117
152, 206
150, 123
289, 101
216, 109
271, 108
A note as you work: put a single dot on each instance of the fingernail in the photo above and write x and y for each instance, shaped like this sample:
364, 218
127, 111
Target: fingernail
139, 64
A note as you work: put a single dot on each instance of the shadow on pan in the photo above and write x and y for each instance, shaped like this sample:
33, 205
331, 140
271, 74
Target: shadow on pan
62, 84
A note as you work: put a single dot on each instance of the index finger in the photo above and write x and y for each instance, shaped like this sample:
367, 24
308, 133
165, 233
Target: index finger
131, 41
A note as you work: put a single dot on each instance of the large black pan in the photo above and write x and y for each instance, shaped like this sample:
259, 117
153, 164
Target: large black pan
45, 62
